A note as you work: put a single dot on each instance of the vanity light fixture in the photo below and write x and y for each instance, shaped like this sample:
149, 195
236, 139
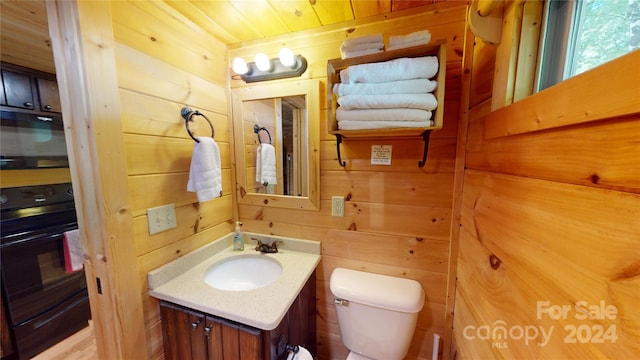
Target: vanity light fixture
262, 69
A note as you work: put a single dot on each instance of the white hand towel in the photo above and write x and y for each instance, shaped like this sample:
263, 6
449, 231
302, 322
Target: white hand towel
398, 69
205, 175
73, 254
266, 164
388, 101
412, 86
383, 114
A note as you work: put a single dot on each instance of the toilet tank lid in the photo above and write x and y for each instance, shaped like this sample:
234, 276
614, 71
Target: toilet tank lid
383, 291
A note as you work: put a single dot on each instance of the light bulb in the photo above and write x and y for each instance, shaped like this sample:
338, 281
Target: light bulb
240, 66
262, 62
286, 57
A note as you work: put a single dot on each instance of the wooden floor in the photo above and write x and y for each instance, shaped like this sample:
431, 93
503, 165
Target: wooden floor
79, 346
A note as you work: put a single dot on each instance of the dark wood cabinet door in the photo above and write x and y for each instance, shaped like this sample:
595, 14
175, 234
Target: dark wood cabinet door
230, 342
197, 336
213, 332
183, 335
251, 343
168, 317
176, 332
17, 88
49, 95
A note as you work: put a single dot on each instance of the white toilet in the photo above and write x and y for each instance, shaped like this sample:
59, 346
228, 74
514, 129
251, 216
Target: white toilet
377, 314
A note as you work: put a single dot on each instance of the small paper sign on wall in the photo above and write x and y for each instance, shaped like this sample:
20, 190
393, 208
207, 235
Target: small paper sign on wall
380, 154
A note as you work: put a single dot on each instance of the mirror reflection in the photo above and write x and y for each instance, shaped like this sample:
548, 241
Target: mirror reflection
277, 144
277, 151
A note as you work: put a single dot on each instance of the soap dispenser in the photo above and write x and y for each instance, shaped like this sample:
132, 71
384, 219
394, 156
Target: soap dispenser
238, 239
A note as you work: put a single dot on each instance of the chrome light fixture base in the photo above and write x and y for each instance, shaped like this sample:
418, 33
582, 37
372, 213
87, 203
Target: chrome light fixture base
277, 71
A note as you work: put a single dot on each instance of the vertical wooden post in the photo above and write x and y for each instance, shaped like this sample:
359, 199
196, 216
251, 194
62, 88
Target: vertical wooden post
84, 54
458, 182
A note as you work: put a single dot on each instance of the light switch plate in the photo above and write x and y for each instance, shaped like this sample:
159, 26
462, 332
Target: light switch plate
161, 218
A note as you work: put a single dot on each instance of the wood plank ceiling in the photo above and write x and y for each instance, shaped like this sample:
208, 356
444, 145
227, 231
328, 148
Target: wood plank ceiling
25, 38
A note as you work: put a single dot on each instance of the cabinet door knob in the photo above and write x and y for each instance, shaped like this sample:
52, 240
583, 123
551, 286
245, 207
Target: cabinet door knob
207, 329
194, 325
48, 107
28, 104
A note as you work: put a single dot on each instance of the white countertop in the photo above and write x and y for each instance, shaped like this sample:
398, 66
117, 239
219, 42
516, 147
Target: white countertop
182, 281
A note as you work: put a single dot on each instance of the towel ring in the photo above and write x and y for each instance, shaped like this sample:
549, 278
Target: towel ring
257, 129
187, 114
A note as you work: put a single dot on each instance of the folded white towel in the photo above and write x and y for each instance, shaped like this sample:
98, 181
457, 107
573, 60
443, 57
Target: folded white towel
387, 101
205, 174
266, 164
412, 86
369, 125
373, 38
407, 45
399, 114
422, 37
398, 69
350, 54
73, 253
363, 46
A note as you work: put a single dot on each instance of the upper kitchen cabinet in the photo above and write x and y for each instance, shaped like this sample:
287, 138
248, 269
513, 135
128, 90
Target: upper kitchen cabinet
17, 89
28, 90
48, 95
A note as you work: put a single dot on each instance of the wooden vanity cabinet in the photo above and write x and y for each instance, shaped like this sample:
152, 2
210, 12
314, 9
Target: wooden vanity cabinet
192, 334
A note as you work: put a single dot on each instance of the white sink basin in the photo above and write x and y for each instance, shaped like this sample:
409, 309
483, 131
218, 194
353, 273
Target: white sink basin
242, 273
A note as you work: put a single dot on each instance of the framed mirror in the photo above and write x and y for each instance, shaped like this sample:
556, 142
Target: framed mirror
277, 144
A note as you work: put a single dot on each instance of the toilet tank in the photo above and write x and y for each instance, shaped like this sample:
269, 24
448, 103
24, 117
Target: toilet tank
377, 314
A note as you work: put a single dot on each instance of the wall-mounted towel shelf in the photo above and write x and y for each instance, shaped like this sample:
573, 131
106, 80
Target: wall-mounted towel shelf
334, 67
257, 129
188, 114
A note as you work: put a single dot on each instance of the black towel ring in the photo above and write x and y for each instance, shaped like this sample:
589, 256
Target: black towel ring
187, 114
257, 129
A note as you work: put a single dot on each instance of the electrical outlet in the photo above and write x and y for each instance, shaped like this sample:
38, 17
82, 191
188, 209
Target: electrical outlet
337, 206
161, 218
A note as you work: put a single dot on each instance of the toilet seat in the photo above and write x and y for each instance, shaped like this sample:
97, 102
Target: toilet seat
354, 356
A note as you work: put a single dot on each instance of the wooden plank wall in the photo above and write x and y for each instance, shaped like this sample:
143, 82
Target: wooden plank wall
551, 216
397, 218
164, 62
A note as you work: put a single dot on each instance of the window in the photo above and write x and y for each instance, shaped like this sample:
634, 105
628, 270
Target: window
582, 34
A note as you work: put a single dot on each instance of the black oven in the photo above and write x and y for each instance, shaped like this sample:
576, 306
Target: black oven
44, 302
32, 141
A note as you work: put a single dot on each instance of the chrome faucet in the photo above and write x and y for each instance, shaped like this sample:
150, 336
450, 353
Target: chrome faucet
265, 248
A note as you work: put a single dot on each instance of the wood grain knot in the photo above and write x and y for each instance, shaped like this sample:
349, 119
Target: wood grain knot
494, 262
